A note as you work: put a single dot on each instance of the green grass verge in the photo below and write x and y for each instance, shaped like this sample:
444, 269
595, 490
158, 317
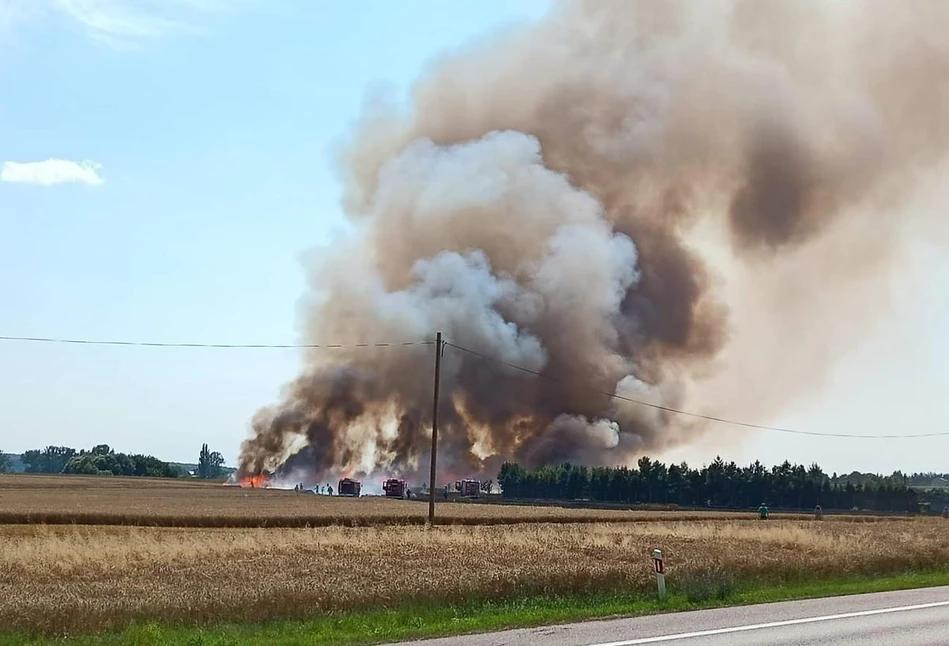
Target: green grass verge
412, 622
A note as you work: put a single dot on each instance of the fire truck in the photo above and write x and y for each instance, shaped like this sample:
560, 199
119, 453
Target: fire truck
394, 488
349, 487
468, 487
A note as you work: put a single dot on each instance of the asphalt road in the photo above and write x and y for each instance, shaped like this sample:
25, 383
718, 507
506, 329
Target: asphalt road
910, 618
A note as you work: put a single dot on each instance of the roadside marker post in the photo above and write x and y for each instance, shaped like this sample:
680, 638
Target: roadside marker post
660, 572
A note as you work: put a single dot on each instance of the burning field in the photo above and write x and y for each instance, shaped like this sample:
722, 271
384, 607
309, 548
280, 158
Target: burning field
68, 500
688, 203
645, 199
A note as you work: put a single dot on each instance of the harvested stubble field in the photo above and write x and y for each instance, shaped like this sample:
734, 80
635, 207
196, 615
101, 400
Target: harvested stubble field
79, 578
31, 499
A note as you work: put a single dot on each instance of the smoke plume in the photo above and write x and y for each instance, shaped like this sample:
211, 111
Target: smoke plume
671, 201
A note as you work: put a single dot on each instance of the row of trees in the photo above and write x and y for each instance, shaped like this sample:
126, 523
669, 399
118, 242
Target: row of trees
718, 484
52, 459
103, 460
100, 460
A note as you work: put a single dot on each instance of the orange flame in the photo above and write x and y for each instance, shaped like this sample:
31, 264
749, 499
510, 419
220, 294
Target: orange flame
252, 482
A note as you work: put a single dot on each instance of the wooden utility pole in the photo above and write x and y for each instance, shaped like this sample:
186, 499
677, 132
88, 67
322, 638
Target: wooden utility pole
432, 480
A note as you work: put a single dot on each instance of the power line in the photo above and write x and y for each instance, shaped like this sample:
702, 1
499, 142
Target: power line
638, 402
160, 344
710, 418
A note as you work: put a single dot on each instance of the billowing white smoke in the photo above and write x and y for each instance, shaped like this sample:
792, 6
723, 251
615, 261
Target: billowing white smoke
553, 199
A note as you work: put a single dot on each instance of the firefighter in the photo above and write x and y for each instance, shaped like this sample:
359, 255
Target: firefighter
763, 512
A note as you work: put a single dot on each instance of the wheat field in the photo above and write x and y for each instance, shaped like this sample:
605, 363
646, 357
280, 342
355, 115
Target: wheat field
65, 579
88, 554
31, 499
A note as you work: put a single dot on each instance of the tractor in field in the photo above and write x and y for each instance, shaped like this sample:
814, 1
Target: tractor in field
349, 487
394, 488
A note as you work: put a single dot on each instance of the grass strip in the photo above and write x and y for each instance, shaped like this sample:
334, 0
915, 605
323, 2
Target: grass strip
423, 621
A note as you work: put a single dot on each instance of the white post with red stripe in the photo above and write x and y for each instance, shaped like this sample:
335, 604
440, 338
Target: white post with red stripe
660, 572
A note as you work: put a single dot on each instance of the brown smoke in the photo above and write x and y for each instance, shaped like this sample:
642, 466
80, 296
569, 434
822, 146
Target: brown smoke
671, 201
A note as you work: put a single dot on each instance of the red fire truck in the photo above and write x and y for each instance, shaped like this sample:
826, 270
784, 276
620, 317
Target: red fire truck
349, 487
470, 487
394, 488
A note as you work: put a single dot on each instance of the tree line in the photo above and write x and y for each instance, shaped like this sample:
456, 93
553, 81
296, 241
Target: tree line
104, 460
719, 484
99, 460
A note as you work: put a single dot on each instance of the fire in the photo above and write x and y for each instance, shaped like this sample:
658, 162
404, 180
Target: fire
257, 481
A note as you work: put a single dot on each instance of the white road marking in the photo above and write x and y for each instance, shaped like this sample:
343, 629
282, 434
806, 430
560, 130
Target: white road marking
774, 624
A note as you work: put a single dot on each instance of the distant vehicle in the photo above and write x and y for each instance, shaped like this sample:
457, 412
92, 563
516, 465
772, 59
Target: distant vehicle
349, 487
394, 488
468, 487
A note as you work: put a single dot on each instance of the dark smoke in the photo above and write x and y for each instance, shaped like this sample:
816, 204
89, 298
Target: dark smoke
631, 197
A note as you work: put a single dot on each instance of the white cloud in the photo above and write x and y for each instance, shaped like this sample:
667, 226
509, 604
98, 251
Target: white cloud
51, 171
120, 23
115, 21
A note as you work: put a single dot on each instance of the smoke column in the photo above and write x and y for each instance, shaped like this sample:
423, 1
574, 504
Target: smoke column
688, 203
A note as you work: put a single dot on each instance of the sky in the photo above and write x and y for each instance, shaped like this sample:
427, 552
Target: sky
164, 166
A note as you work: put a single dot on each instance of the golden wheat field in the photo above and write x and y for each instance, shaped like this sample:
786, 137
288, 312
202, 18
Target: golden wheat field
58, 579
27, 499
91, 553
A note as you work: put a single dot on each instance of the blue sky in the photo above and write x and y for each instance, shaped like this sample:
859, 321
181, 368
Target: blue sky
209, 126
215, 138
